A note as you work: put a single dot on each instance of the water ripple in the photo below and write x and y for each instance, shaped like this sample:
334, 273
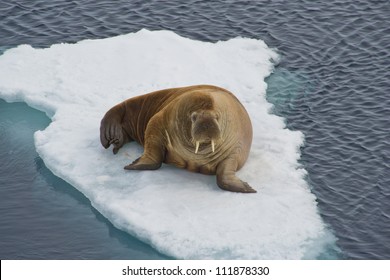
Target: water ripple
331, 83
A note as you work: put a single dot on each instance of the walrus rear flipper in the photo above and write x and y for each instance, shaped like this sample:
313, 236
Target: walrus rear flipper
111, 130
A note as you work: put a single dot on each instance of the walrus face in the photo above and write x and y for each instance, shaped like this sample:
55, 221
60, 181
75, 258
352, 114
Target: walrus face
205, 128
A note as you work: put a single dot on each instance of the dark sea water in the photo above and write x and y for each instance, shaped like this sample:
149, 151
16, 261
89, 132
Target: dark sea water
332, 83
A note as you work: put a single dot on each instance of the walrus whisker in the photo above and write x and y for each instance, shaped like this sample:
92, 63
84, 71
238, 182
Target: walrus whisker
196, 147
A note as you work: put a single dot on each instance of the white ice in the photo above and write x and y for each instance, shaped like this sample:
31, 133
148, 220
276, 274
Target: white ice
181, 214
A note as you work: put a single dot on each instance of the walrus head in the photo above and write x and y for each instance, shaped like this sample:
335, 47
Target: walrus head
205, 128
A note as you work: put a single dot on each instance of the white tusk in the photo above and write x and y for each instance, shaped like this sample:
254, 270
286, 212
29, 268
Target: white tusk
197, 147
169, 139
212, 145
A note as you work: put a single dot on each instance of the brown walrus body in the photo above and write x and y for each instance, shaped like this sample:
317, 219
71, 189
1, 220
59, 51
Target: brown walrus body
200, 128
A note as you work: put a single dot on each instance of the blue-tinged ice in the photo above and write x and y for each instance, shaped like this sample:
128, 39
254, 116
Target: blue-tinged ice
181, 214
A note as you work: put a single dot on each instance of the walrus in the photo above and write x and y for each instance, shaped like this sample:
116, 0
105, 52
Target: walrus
200, 128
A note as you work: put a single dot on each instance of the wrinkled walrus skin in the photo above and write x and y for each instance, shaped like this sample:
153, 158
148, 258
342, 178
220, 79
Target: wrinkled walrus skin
200, 128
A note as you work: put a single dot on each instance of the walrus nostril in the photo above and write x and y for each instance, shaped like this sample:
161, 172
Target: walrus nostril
206, 126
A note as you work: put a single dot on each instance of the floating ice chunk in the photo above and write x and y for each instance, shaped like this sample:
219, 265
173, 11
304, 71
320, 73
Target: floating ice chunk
182, 214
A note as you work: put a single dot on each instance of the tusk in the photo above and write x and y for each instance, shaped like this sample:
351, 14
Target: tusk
169, 139
212, 145
197, 147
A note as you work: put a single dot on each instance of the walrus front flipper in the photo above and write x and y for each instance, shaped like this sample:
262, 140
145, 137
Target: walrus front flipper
142, 163
227, 179
154, 149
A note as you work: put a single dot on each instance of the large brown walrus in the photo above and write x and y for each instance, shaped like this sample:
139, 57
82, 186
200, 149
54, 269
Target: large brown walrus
200, 128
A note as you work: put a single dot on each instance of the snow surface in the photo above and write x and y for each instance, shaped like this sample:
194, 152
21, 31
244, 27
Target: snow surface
181, 214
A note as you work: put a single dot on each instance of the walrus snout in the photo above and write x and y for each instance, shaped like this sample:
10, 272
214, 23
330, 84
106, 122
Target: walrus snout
205, 129
205, 126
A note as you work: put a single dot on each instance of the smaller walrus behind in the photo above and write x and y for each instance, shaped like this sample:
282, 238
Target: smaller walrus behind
201, 128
